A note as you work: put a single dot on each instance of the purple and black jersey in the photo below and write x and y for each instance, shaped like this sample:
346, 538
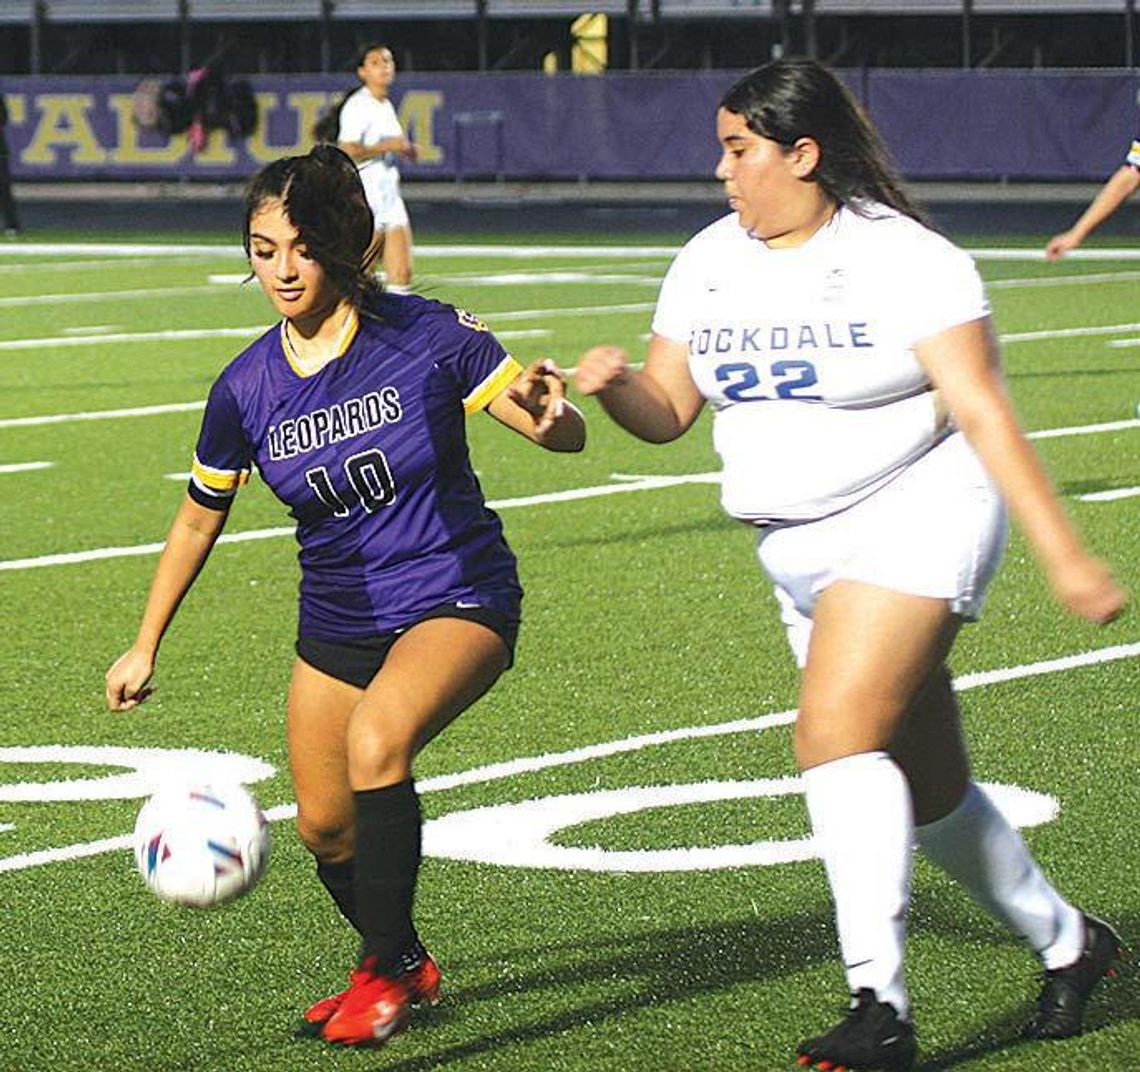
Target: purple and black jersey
370, 455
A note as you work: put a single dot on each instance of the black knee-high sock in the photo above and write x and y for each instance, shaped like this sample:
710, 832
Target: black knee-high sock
340, 880
388, 840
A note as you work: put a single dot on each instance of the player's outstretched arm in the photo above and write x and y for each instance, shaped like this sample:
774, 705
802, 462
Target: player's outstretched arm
963, 364
658, 403
192, 536
1121, 185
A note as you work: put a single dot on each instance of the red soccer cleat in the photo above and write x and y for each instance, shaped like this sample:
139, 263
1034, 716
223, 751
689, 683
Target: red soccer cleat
421, 976
375, 1008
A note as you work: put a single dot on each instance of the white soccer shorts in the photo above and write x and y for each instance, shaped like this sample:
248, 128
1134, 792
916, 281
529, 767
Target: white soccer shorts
382, 188
937, 530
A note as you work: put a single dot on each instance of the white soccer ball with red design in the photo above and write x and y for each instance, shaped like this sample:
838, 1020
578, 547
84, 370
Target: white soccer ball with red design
201, 845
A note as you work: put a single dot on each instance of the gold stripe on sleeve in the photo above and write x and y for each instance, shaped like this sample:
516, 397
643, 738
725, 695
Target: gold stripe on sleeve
218, 481
507, 371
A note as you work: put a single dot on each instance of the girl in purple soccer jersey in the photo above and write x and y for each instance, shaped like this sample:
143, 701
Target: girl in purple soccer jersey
353, 409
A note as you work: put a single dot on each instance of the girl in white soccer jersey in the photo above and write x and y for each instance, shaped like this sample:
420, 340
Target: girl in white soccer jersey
847, 354
353, 410
370, 133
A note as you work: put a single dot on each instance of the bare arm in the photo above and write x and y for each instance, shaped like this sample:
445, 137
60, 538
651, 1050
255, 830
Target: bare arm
963, 364
396, 144
1121, 185
535, 406
191, 538
657, 404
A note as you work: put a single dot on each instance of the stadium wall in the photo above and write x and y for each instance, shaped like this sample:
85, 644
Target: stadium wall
939, 125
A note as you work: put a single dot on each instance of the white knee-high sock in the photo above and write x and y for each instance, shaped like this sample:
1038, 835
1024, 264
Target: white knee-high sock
864, 829
976, 845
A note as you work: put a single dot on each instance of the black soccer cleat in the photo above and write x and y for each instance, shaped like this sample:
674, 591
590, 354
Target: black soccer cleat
1061, 1004
871, 1036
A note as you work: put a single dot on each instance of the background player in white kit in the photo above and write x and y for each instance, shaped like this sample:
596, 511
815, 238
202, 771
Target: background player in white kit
860, 415
371, 134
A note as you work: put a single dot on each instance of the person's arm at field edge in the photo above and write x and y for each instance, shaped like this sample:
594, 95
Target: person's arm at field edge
192, 535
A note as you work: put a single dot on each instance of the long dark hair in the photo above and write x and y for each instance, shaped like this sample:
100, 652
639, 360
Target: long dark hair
327, 126
325, 201
789, 99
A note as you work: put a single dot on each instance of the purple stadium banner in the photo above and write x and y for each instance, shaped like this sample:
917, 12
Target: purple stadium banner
938, 125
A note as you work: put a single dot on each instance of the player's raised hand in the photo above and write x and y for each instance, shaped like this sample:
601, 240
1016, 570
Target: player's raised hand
128, 680
601, 367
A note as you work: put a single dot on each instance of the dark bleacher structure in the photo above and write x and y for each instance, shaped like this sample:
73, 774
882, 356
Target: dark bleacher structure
1009, 113
261, 36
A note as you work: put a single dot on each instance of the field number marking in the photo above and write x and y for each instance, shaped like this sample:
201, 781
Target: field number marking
515, 834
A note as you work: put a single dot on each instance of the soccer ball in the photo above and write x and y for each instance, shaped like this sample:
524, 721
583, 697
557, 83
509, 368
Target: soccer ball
202, 844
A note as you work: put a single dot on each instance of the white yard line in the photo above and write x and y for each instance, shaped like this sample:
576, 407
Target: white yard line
1062, 280
56, 342
102, 414
73, 297
623, 483
25, 467
184, 334
1110, 496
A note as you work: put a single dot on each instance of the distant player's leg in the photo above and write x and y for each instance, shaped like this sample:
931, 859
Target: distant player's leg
398, 258
960, 830
872, 651
434, 671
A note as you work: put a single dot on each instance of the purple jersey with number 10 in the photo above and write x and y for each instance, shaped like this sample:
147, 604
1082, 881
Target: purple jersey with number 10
370, 455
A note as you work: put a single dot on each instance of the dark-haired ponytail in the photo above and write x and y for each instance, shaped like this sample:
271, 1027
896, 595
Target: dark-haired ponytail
327, 126
323, 198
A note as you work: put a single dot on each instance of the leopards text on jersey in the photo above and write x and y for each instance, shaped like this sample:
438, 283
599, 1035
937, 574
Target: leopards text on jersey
807, 354
370, 455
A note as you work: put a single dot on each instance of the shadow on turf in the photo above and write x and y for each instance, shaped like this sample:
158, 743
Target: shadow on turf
678, 964
669, 965
1117, 1001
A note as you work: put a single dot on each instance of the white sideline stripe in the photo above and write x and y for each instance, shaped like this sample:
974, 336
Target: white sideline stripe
56, 341
510, 314
102, 295
1048, 666
101, 553
1085, 429
61, 341
1067, 333
79, 266
140, 249
136, 249
1109, 496
1061, 280
24, 467
102, 414
1107, 253
529, 764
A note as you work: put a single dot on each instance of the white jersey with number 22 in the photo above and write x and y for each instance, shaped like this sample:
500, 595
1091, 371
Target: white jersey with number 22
806, 355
